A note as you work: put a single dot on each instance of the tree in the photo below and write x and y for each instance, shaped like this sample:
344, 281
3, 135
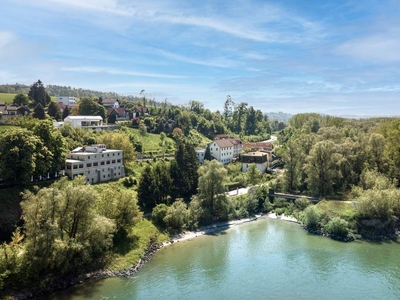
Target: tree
21, 99
38, 112
211, 191
253, 174
229, 106
292, 173
37, 94
321, 168
54, 111
63, 232
20, 151
89, 107
145, 190
65, 112
118, 140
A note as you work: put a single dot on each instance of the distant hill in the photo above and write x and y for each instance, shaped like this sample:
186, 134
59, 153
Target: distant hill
278, 116
58, 90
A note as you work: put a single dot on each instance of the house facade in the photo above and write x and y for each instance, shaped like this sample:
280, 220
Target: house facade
109, 103
225, 150
89, 122
12, 110
260, 159
200, 153
96, 163
67, 100
119, 114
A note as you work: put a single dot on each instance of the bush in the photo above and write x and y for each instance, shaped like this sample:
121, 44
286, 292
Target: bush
337, 226
158, 214
302, 203
177, 217
280, 210
312, 217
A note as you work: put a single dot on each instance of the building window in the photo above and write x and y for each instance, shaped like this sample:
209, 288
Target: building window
88, 165
102, 163
75, 166
118, 160
80, 166
88, 157
104, 176
95, 164
113, 161
107, 162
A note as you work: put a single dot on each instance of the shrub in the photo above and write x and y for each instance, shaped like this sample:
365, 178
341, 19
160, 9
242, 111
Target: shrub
279, 210
177, 217
302, 203
158, 214
312, 217
337, 226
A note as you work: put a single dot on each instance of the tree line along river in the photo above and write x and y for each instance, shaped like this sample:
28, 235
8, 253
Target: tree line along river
264, 259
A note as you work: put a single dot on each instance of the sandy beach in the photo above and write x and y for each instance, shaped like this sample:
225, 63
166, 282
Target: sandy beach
187, 235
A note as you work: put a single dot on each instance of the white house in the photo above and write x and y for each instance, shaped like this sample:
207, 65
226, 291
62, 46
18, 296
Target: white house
67, 101
96, 163
90, 122
200, 155
260, 159
225, 150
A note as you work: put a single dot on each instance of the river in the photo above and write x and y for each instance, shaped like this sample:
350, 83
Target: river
264, 259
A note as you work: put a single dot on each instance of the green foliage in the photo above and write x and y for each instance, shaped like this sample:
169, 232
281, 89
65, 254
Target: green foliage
20, 152
89, 107
302, 203
38, 112
312, 217
118, 140
337, 226
211, 191
253, 174
177, 217
21, 99
53, 111
63, 232
159, 213
38, 95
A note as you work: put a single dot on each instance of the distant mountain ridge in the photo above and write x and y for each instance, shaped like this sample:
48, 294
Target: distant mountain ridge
279, 116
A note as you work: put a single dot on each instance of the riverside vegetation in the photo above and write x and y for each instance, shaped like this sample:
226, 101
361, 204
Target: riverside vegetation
69, 227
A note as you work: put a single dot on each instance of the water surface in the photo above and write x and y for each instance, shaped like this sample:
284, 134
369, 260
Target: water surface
265, 259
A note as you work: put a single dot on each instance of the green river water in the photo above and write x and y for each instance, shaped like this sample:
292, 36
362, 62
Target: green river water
264, 259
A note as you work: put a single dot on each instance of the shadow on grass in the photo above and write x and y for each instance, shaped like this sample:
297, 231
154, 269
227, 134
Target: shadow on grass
124, 243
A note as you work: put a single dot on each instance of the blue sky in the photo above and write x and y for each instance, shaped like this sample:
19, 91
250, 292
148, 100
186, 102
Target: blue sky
332, 57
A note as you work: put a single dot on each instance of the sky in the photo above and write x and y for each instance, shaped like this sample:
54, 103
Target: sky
330, 57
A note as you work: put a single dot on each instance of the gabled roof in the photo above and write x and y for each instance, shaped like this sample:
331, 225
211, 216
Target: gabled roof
109, 101
120, 111
224, 143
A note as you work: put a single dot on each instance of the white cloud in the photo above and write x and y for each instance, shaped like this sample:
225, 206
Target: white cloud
375, 49
117, 72
6, 38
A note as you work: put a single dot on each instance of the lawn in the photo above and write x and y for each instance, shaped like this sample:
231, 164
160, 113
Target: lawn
338, 208
7, 98
151, 141
132, 249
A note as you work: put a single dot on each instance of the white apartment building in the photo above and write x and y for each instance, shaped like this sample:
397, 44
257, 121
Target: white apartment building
225, 150
96, 163
200, 155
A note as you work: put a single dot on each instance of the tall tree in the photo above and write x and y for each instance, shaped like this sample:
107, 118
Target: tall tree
321, 168
37, 94
211, 191
38, 112
66, 112
20, 151
54, 111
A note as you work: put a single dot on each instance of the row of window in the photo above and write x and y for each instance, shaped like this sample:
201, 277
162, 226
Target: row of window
95, 157
95, 164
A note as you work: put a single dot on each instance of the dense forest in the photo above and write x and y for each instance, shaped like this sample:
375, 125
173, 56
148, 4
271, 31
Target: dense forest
65, 227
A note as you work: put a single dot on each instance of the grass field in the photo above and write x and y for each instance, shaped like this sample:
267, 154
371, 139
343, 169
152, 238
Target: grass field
8, 98
338, 208
151, 141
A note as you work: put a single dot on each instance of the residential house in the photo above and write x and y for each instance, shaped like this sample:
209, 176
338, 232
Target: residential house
96, 163
266, 147
109, 103
140, 111
225, 150
260, 159
89, 122
67, 100
13, 110
118, 114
